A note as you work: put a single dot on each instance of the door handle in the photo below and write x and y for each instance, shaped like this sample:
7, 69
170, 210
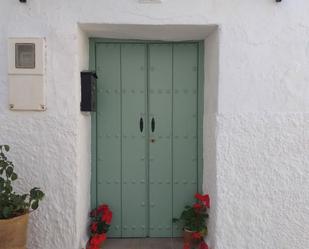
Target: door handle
153, 125
141, 124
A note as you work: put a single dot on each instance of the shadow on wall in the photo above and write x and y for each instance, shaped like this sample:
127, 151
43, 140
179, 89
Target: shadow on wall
210, 124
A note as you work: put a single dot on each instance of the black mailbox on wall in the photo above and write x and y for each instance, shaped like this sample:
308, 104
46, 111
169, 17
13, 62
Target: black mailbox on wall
88, 89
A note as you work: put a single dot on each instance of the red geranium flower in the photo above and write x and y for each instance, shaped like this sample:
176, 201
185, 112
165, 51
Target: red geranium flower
101, 218
94, 241
196, 235
94, 227
107, 217
198, 196
102, 237
98, 239
93, 213
206, 201
197, 206
186, 246
203, 245
203, 198
103, 208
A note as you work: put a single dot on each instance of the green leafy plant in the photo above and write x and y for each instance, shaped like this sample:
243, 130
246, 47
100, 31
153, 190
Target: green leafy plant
11, 203
193, 219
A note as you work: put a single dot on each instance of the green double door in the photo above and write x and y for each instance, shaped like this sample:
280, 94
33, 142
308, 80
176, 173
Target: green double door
147, 134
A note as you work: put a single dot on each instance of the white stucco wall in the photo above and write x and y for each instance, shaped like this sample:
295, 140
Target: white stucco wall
257, 135
84, 144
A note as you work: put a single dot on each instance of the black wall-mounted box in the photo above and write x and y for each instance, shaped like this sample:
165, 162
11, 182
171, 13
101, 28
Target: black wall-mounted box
88, 91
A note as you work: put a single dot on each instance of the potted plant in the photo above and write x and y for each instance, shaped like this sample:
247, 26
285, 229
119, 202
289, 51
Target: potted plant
14, 208
193, 221
101, 218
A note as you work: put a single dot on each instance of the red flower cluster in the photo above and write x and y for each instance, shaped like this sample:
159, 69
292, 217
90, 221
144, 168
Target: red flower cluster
107, 217
202, 245
96, 241
204, 199
197, 206
101, 218
186, 246
94, 227
196, 236
203, 202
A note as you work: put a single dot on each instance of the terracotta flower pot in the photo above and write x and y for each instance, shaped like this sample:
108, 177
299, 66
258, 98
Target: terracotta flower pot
187, 236
13, 232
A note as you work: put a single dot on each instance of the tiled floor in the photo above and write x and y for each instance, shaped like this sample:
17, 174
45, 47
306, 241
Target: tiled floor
151, 243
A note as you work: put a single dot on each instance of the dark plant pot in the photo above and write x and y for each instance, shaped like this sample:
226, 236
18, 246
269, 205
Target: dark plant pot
13, 232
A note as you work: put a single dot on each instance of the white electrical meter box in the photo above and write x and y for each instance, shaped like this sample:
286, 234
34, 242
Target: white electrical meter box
27, 74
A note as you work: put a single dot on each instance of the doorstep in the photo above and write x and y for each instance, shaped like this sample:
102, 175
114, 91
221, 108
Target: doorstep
144, 243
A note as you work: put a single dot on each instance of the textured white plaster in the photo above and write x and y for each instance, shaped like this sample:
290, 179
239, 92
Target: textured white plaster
262, 181
257, 162
84, 143
148, 32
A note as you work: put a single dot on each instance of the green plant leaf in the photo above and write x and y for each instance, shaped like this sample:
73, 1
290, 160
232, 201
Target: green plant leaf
12, 204
39, 194
6, 212
9, 171
35, 205
175, 220
101, 227
33, 193
14, 176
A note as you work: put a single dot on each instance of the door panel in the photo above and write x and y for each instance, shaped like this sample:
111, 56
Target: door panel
108, 131
184, 127
134, 197
160, 151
